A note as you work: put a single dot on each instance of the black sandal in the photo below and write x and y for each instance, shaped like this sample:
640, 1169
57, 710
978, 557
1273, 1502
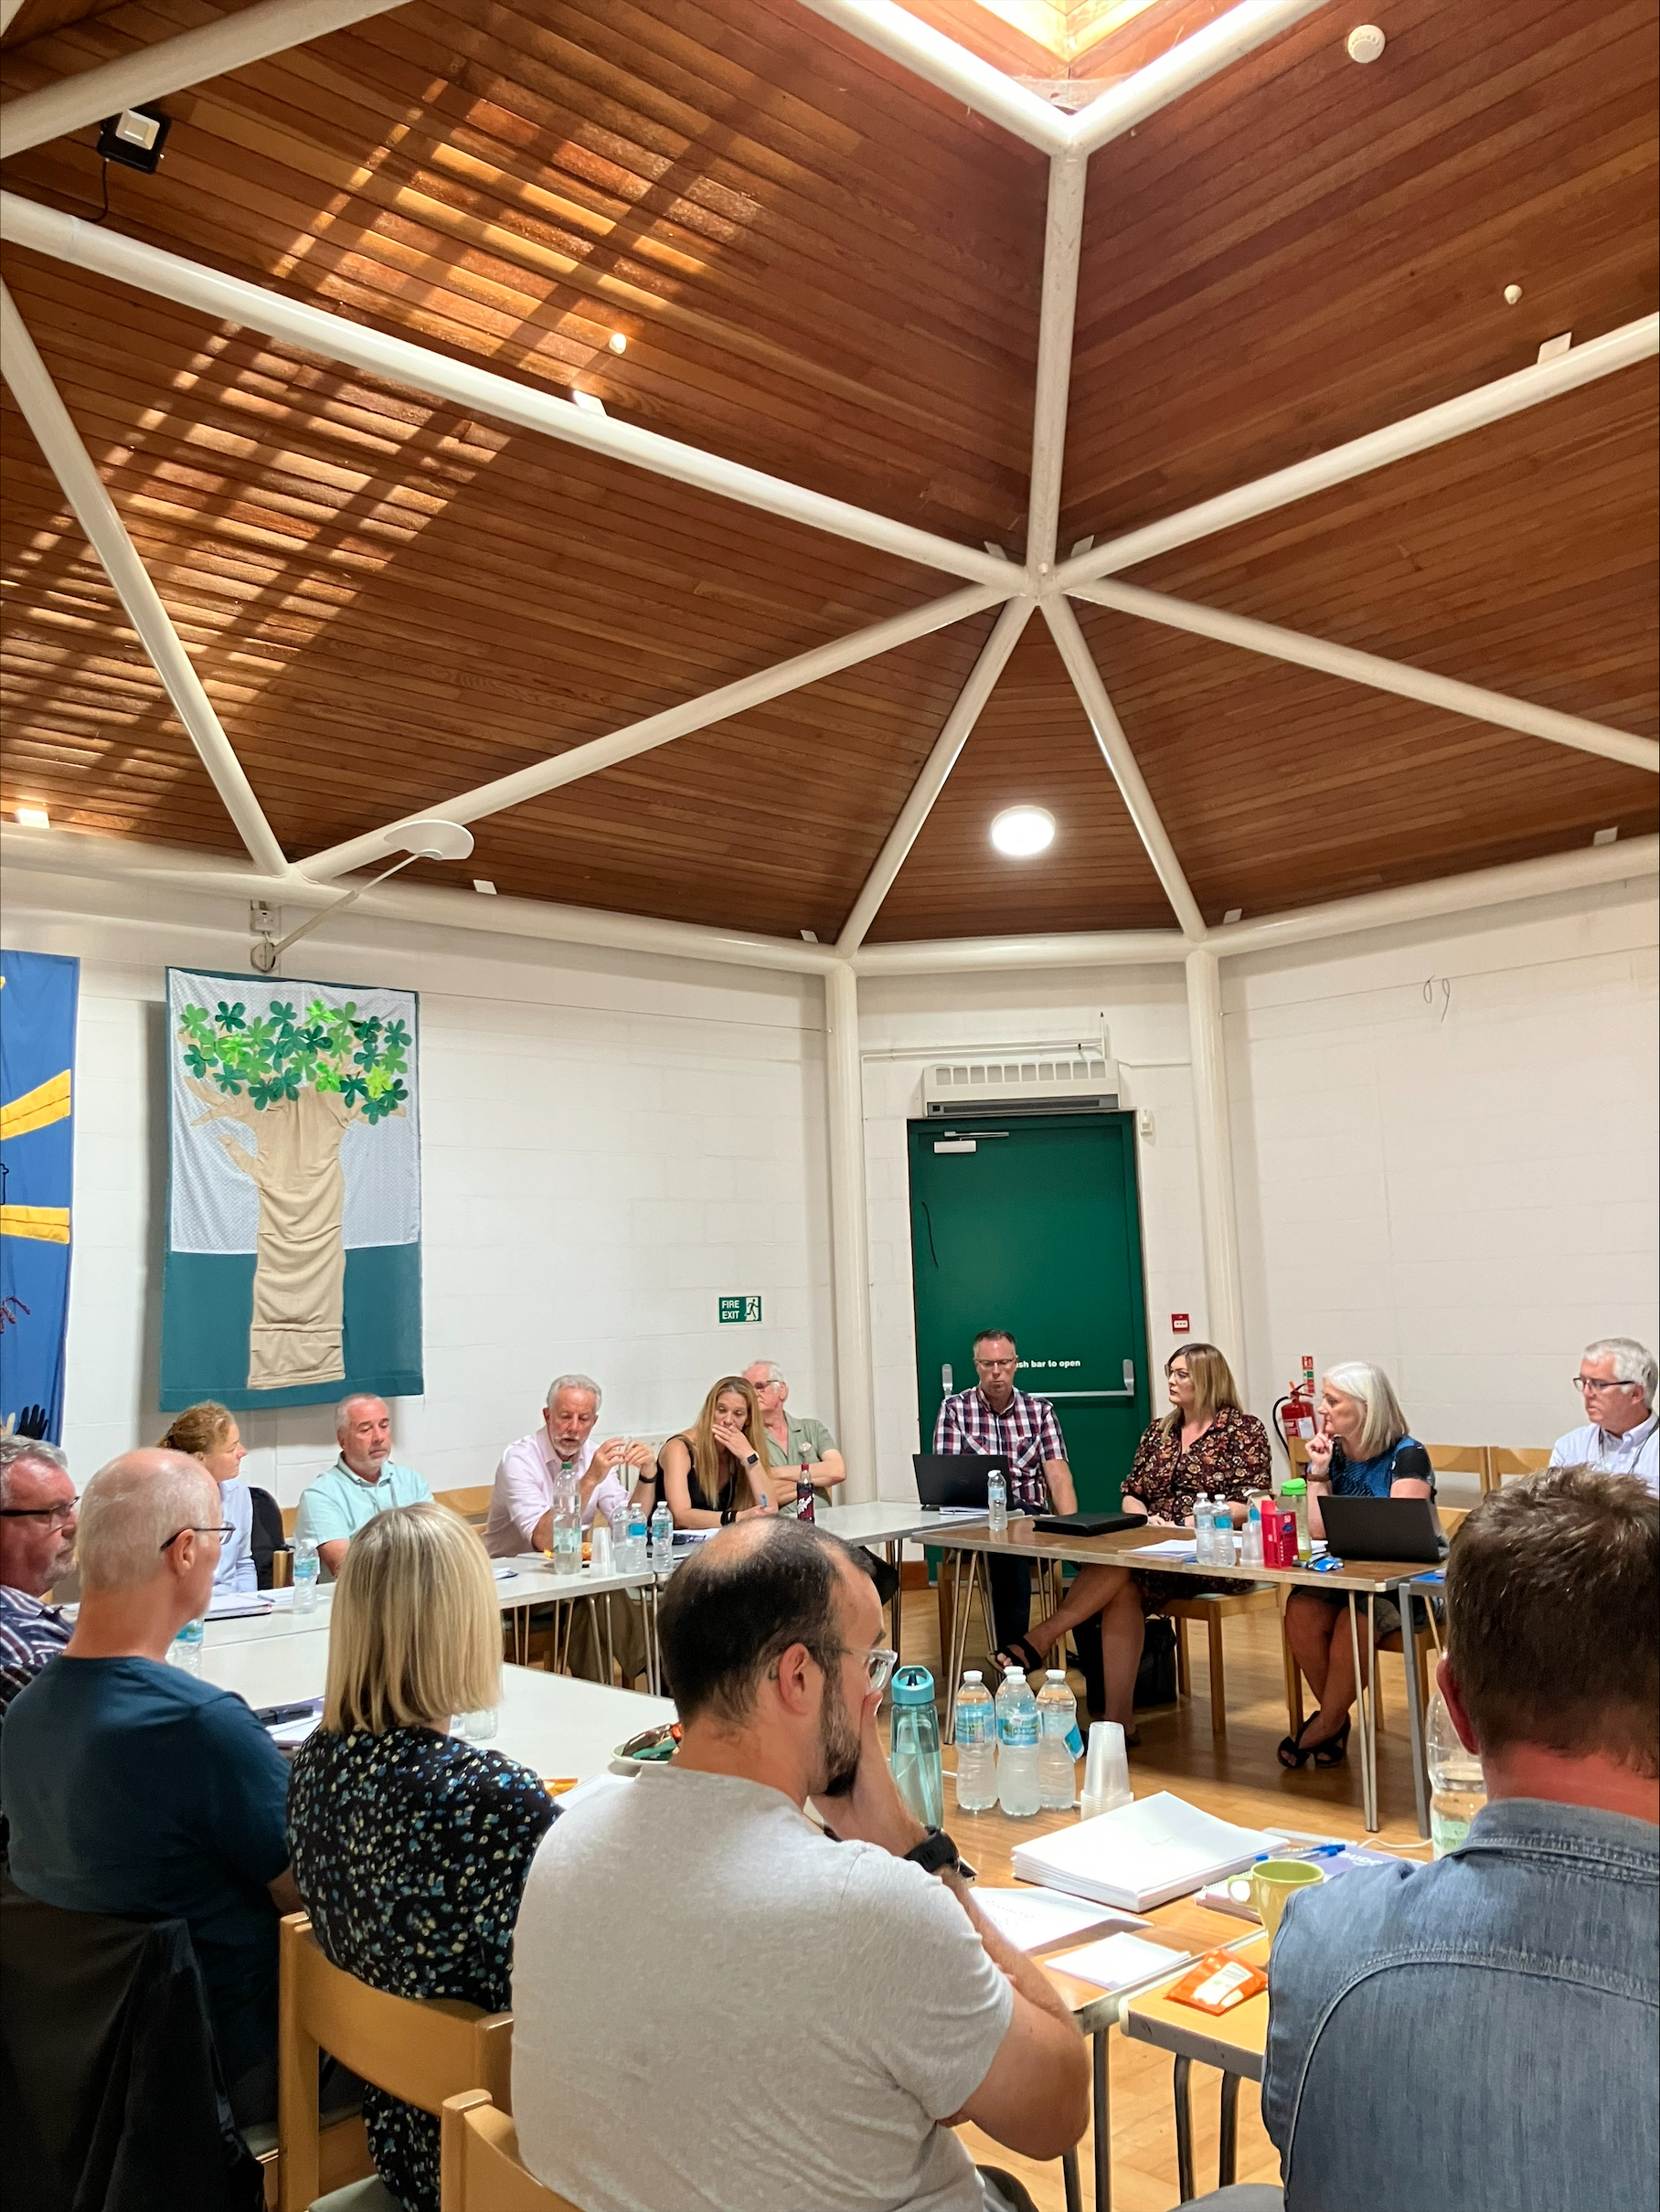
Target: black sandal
1293, 1755
1334, 1750
1017, 1652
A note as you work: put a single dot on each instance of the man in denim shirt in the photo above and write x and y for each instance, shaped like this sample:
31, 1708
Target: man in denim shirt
1481, 2034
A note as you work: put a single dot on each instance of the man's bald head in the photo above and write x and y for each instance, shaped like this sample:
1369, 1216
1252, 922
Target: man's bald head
132, 1507
742, 1600
363, 1423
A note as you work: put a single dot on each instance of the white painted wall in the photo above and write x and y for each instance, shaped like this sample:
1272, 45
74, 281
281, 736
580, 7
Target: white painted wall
1446, 1147
610, 1143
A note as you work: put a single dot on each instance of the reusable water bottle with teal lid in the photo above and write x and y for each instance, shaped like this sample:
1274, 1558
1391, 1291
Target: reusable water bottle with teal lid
915, 1756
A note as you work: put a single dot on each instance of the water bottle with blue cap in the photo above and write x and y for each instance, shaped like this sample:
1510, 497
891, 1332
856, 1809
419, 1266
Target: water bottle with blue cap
915, 1756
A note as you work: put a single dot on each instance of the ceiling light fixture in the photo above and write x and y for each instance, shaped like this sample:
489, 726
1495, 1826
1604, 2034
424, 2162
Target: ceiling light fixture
617, 343
1021, 831
136, 138
34, 817
431, 838
483, 884
589, 403
1365, 42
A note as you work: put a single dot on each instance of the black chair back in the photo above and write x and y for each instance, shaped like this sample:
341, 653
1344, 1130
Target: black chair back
266, 1537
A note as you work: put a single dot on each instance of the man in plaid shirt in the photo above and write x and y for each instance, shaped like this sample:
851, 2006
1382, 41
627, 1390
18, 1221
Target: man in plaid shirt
999, 1421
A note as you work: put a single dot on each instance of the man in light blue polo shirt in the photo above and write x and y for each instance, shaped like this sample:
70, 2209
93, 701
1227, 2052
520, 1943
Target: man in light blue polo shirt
364, 1481
1616, 1379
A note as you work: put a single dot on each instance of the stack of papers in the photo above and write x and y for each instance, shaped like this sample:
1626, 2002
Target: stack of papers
1040, 1919
1122, 1961
1141, 1854
239, 1605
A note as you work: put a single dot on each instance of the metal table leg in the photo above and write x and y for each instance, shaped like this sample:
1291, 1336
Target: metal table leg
961, 1602
1415, 1715
1184, 2189
1102, 2119
1365, 1714
1227, 2132
895, 1611
1069, 2178
648, 1622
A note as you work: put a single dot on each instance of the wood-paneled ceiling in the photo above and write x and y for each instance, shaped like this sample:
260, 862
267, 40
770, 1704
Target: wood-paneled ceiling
828, 269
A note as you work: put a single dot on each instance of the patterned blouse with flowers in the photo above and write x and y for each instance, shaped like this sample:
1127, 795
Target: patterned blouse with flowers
1230, 1460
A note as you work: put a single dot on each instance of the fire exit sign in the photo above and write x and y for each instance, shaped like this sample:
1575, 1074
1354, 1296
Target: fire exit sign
744, 1308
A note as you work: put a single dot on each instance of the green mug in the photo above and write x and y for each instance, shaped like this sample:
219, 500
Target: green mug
1272, 1881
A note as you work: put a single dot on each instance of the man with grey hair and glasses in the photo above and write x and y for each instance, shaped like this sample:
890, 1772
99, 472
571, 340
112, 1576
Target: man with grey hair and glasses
1616, 1381
793, 1440
134, 1788
521, 1506
37, 1544
364, 1481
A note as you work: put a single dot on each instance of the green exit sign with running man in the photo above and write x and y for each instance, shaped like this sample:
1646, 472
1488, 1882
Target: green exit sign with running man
739, 1309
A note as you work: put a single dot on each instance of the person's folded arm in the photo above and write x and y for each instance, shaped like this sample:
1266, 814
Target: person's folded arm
1035, 2098
830, 1470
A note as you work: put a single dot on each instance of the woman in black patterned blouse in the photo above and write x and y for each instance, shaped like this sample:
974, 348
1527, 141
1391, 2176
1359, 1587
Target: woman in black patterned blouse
409, 1847
1206, 1444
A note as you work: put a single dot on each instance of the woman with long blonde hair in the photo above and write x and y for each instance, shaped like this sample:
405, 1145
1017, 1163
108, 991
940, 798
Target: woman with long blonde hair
208, 1432
410, 1847
1206, 1444
715, 1471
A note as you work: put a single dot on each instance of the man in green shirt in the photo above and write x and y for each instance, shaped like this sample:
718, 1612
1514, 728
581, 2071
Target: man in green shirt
364, 1481
793, 1440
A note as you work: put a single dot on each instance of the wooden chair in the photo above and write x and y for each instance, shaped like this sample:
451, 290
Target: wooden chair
479, 2165
1505, 1459
1212, 1606
470, 1506
422, 2050
1460, 1458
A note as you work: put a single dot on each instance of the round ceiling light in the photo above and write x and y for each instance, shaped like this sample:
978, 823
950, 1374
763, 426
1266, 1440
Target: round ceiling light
1021, 831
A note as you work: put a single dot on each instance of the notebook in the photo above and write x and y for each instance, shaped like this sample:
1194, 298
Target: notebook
1039, 1919
237, 1605
1141, 1855
1122, 1961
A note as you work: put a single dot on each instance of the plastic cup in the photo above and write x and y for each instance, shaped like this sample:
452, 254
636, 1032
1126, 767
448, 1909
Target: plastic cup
1106, 1770
1272, 1881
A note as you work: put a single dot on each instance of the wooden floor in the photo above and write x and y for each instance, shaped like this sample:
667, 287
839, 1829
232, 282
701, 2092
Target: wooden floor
1240, 1779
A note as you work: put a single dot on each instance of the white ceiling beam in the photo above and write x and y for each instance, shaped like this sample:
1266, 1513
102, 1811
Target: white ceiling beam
77, 477
336, 337
1081, 949
959, 727
170, 64
1471, 410
1063, 235
1126, 772
1208, 52
145, 877
657, 729
941, 61
1371, 668
1587, 868
8, 8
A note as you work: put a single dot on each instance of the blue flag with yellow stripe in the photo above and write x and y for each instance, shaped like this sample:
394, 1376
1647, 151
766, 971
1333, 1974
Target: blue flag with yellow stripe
39, 993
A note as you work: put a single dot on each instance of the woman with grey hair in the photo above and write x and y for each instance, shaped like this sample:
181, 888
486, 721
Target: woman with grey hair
1360, 1448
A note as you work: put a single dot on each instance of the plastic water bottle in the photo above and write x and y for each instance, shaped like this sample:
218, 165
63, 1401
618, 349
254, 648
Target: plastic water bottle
663, 1539
1018, 1789
1458, 1788
186, 1650
621, 1557
805, 1503
915, 1758
305, 1576
1221, 1521
997, 1499
1250, 1537
636, 1536
567, 1524
976, 1744
1203, 1538
1059, 1745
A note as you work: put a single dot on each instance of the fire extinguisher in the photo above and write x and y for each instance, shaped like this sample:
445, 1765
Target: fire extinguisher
1293, 1414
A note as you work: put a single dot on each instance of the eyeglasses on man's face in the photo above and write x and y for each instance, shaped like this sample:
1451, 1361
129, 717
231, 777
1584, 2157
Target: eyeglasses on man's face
878, 1665
58, 1515
987, 1366
1586, 1384
224, 1529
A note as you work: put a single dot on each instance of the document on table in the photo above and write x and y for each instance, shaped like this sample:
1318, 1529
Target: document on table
1121, 1962
1173, 1548
1035, 1918
956, 1512
239, 1605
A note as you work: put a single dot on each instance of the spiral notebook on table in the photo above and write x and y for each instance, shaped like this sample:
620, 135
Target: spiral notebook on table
1141, 1854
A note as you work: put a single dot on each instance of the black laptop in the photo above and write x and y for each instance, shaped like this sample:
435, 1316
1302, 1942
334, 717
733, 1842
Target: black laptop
1408, 1529
955, 1478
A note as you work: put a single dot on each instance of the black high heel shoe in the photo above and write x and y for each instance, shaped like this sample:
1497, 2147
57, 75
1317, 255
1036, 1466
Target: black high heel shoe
1334, 1750
1014, 1650
1294, 1754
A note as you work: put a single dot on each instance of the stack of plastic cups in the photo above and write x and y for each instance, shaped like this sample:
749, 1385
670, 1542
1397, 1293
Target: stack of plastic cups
1106, 1770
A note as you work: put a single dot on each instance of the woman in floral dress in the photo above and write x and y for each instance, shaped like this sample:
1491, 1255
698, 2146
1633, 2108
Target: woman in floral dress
1206, 1444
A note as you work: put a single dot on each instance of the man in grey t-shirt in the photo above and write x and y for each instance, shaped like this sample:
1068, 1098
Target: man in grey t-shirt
718, 2007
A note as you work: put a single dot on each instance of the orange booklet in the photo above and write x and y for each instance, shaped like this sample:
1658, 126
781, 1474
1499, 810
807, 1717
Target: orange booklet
1217, 1983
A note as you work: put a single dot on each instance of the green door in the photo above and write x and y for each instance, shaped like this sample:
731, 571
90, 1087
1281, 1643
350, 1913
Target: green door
1034, 1225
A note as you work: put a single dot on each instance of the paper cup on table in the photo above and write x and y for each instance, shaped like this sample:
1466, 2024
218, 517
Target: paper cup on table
1106, 1770
1272, 1881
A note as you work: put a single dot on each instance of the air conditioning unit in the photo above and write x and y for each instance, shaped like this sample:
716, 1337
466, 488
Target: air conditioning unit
1081, 1081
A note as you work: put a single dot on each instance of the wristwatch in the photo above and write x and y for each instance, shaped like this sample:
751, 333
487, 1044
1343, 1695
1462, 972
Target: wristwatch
936, 1854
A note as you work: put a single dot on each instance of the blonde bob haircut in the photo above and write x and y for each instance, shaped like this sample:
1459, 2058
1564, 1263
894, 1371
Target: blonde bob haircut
1213, 1383
416, 1632
1384, 1424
